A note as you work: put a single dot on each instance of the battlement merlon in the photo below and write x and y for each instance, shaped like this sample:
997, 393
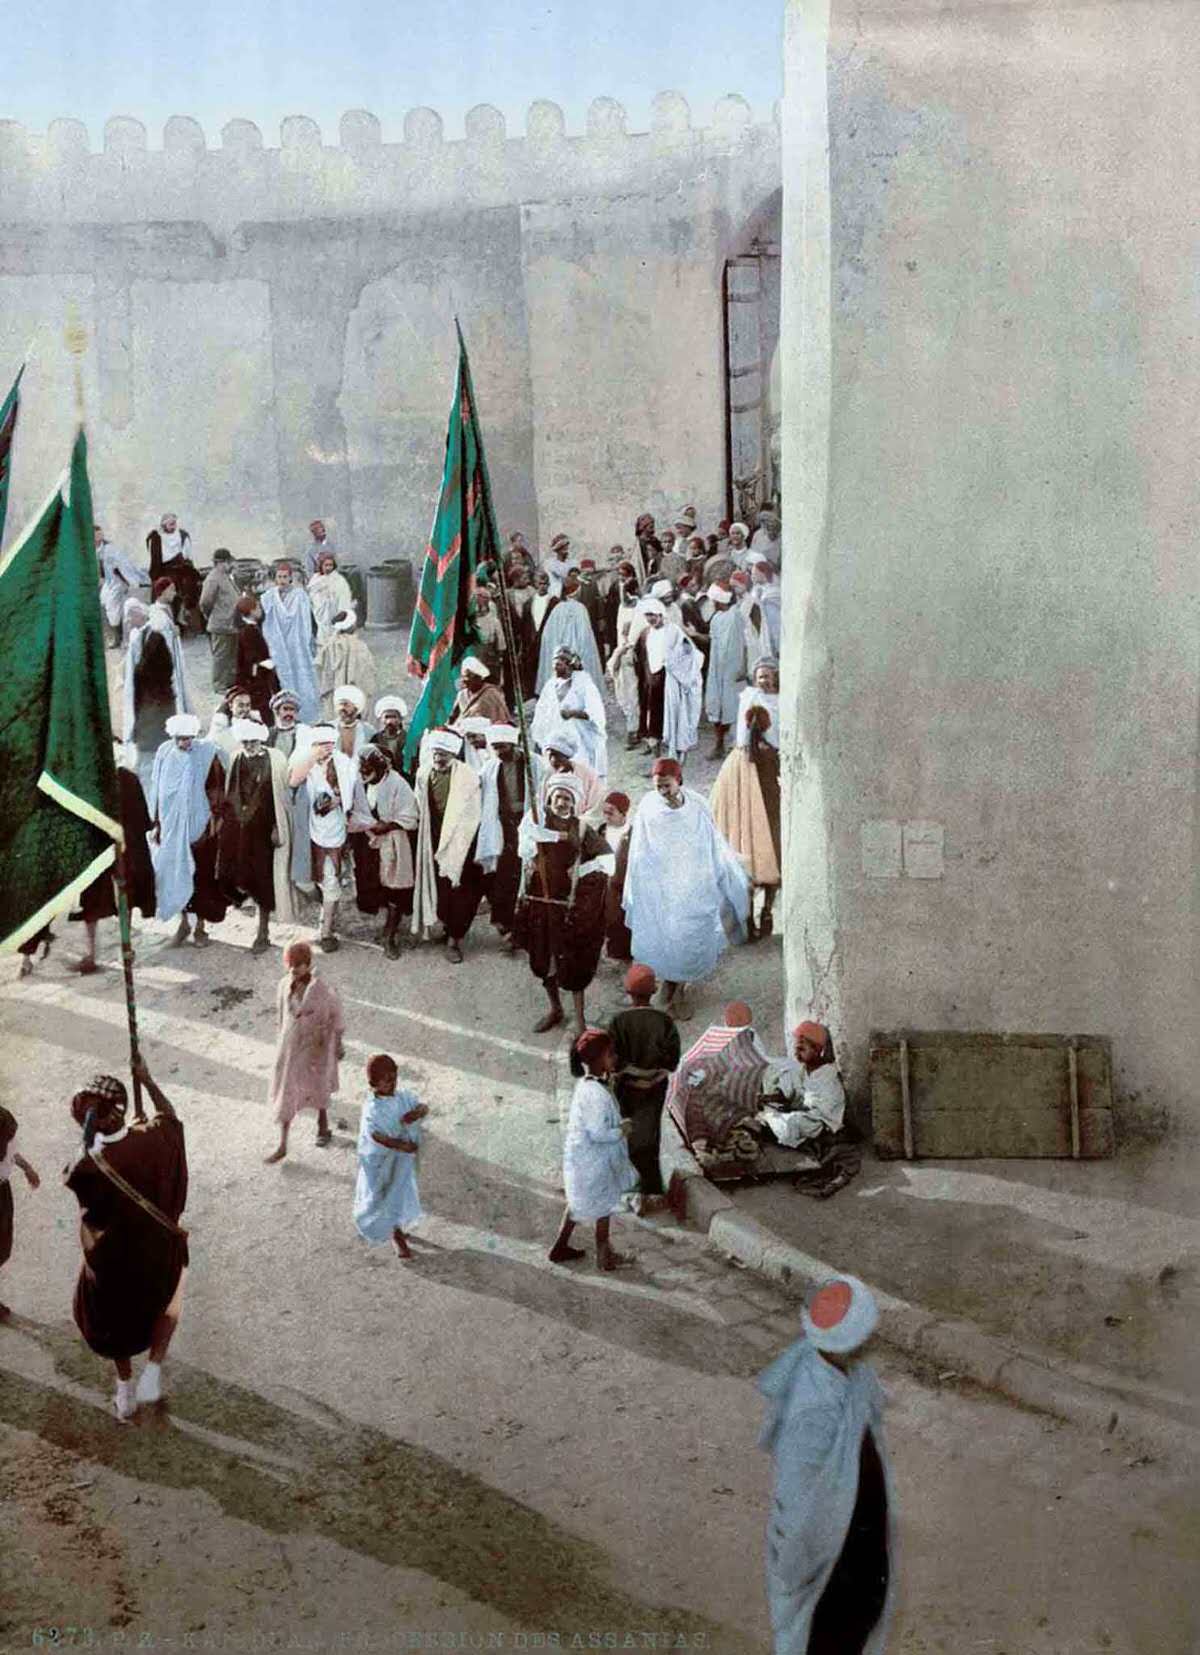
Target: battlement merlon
56, 177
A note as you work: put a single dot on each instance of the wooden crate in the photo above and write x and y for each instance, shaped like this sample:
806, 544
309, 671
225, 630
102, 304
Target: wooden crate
943, 1096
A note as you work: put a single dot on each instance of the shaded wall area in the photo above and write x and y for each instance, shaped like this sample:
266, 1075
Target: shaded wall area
993, 741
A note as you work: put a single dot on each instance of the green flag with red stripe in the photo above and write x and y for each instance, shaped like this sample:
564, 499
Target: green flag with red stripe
8, 430
463, 535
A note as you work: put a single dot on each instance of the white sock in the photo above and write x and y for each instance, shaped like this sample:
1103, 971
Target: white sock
149, 1386
125, 1401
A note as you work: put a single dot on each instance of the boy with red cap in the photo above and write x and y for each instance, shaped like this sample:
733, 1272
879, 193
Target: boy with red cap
615, 833
646, 1046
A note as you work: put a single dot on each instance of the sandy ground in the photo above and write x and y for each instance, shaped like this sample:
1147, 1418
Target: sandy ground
478, 1449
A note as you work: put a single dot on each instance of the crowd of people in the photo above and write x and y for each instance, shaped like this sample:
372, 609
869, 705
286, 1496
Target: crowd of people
303, 795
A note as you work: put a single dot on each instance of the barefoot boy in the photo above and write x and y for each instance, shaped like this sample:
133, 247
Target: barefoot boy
386, 1201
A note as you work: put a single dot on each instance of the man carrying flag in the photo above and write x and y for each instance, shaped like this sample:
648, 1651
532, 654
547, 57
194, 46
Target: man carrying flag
54, 719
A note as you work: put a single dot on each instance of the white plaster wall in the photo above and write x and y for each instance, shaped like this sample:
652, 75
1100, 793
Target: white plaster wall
1009, 610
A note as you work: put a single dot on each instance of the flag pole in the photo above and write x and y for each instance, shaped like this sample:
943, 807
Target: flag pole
77, 342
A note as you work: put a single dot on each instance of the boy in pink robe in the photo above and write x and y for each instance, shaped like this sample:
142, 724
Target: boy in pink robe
311, 1031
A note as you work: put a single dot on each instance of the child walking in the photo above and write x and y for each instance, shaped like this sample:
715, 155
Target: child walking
9, 1159
386, 1200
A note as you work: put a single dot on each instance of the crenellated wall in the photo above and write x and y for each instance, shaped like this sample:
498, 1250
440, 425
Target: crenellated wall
273, 328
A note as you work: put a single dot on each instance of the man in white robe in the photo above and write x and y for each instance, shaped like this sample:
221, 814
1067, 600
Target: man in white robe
476, 750
630, 622
569, 626
449, 881
287, 627
383, 849
329, 594
762, 609
673, 679
571, 701
333, 790
560, 563
686, 893
344, 658
184, 802
120, 580
726, 665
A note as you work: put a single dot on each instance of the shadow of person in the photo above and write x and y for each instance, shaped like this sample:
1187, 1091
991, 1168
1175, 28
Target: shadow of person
322, 1474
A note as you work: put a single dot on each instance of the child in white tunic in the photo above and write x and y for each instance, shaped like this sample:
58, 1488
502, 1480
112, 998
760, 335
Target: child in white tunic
386, 1200
597, 1170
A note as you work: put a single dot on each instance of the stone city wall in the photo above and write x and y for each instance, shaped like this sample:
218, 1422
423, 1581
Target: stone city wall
272, 329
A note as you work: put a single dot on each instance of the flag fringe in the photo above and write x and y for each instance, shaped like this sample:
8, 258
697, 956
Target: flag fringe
80, 807
56, 905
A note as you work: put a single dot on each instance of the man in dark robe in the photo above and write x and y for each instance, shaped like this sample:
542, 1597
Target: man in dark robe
255, 668
510, 790
99, 900
561, 917
390, 733
538, 611
647, 1047
170, 549
131, 1182
648, 542
449, 881
592, 599
249, 831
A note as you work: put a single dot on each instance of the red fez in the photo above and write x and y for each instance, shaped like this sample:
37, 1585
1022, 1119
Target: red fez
246, 604
587, 563
160, 586
619, 801
667, 767
640, 980
816, 1032
590, 1044
738, 1015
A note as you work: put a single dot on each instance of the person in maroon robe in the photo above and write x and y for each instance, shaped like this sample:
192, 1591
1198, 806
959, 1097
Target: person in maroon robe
133, 866
131, 1182
255, 668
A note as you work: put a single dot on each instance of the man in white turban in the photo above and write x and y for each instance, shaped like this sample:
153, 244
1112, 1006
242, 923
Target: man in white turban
569, 626
671, 676
570, 700
477, 697
449, 881
726, 665
474, 732
255, 834
184, 803
344, 658
353, 735
830, 1579
390, 734
328, 778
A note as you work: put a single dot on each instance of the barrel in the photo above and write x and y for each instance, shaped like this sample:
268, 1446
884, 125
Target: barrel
358, 589
389, 594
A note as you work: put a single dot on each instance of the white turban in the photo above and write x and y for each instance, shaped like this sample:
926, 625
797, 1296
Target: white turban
757, 557
474, 726
563, 743
183, 724
348, 621
718, 594
502, 733
249, 729
322, 732
390, 704
661, 589
651, 606
349, 692
476, 667
745, 532
445, 741
561, 782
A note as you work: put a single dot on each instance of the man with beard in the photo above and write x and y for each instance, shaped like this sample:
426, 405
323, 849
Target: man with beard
352, 734
449, 881
285, 726
170, 549
390, 734
253, 828
477, 696
328, 781
565, 871
383, 861
671, 679
570, 700
686, 892
560, 563
187, 791
649, 547
288, 631
510, 780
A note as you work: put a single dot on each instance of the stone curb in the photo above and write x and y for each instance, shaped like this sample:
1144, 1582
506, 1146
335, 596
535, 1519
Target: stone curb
1026, 1377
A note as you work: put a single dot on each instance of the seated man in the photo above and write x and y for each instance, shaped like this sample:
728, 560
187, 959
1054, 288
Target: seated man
804, 1098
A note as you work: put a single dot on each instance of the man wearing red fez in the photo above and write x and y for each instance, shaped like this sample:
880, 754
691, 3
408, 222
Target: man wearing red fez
686, 893
615, 833
646, 1044
811, 1098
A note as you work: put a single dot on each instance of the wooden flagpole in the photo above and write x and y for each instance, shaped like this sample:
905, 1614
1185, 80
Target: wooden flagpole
77, 343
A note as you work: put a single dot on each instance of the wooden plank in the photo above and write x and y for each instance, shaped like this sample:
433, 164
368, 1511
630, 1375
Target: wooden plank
1000, 1134
906, 1102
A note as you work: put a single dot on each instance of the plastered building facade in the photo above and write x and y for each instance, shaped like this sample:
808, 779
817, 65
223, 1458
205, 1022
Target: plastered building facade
273, 327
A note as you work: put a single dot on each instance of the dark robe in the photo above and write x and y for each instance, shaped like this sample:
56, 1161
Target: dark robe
592, 599
506, 880
618, 939
182, 572
393, 746
208, 900
564, 943
260, 682
853, 1600
766, 764
644, 1039
153, 692
99, 901
8, 1131
652, 690
531, 646
131, 1263
458, 904
246, 858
